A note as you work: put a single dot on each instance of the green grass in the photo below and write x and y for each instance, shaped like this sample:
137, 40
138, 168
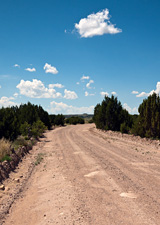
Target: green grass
6, 158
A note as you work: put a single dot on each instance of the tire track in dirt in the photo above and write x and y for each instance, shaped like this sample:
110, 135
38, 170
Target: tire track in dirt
89, 177
100, 179
124, 170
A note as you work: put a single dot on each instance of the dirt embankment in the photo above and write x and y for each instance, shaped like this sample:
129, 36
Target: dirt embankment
7, 166
87, 176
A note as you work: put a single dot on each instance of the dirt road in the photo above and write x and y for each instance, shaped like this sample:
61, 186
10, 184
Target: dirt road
91, 177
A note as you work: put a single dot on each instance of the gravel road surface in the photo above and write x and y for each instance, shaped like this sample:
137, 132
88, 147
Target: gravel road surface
90, 177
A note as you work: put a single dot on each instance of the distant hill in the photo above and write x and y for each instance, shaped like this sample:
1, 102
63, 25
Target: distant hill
84, 116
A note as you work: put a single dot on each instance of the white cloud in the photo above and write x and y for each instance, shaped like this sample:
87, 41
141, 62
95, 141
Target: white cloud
158, 88
50, 69
5, 101
15, 95
0, 86
77, 83
142, 94
113, 93
129, 109
87, 94
31, 69
69, 109
70, 94
135, 92
96, 24
16, 65
145, 94
85, 78
36, 89
89, 83
56, 85
103, 93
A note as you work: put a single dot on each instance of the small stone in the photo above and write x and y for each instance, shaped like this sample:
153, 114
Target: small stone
2, 187
17, 180
7, 189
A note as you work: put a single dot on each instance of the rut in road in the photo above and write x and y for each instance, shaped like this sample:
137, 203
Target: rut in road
91, 177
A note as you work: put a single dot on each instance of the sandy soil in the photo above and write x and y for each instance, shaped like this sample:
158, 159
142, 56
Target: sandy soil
86, 177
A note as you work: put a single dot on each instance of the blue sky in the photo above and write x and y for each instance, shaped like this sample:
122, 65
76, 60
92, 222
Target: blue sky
67, 54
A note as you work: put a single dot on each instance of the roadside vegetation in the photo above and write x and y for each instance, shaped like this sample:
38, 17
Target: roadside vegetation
57, 120
75, 120
110, 115
22, 126
4, 149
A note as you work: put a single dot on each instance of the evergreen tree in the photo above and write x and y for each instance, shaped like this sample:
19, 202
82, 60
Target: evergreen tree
148, 122
109, 115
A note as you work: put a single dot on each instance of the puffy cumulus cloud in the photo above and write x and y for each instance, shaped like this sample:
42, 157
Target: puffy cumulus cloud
142, 94
16, 65
56, 85
77, 83
31, 69
5, 101
129, 109
135, 92
113, 93
89, 83
63, 108
50, 69
157, 91
145, 94
84, 78
96, 24
36, 89
70, 94
104, 93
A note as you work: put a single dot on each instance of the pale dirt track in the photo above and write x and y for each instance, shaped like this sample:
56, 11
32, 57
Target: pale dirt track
91, 177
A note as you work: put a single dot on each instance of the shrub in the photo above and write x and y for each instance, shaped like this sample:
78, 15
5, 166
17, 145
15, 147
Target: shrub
59, 120
6, 158
38, 128
124, 128
109, 115
75, 120
19, 142
4, 148
25, 129
90, 121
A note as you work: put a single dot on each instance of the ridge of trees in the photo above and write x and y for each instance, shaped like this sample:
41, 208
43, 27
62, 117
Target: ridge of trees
75, 120
58, 120
14, 120
110, 115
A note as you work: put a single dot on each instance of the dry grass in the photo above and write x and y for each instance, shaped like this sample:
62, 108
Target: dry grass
39, 158
22, 141
4, 148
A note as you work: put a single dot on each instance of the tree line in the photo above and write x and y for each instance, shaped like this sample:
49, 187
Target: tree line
26, 119
110, 115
